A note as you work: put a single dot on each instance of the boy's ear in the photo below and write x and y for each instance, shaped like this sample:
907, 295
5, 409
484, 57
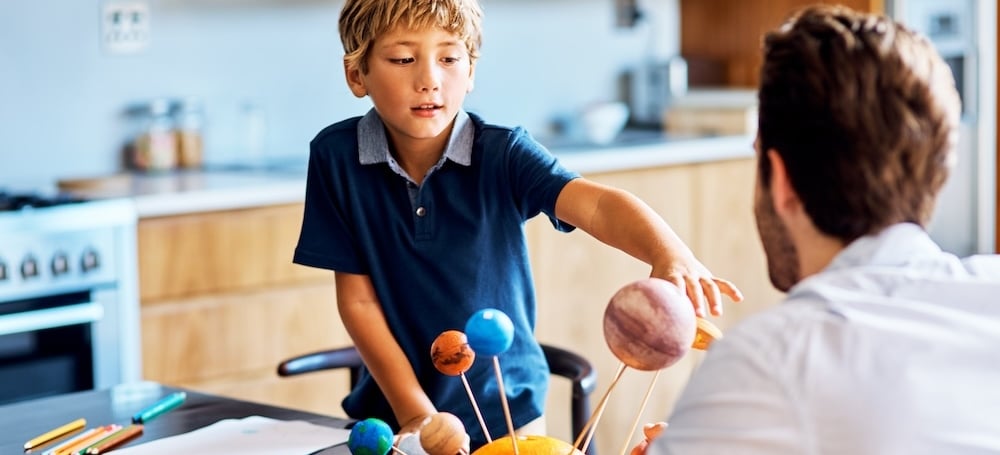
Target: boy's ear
354, 80
472, 77
783, 195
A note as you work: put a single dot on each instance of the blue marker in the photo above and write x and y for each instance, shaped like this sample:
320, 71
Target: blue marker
165, 404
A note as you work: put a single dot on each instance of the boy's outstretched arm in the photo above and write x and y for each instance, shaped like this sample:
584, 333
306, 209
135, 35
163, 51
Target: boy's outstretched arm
362, 315
621, 220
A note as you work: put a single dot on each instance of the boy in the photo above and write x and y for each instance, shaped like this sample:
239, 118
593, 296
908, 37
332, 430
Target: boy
419, 209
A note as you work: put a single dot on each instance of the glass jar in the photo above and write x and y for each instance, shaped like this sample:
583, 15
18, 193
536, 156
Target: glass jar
188, 122
156, 146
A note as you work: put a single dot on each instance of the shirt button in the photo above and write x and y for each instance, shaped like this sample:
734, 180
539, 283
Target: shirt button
421, 211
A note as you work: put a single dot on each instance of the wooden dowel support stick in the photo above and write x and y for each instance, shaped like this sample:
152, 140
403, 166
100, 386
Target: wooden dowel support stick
635, 423
479, 415
503, 401
590, 427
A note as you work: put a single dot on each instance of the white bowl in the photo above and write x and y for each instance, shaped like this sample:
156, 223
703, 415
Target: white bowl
602, 122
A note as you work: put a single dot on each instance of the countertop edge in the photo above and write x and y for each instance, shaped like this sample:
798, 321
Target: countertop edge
281, 191
701, 150
159, 196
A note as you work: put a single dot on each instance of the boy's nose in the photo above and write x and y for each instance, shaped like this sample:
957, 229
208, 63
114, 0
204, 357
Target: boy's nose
428, 79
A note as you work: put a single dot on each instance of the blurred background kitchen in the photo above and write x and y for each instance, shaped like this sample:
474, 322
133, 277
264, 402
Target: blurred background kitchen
199, 113
263, 76
268, 73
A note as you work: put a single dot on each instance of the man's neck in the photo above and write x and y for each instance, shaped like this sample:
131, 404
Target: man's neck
816, 250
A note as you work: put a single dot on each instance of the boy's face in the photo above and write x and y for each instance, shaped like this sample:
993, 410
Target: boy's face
417, 80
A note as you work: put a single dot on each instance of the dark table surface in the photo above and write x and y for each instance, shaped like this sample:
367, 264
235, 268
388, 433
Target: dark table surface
25, 420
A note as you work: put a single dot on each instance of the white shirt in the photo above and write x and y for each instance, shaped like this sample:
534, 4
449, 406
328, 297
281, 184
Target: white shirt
894, 348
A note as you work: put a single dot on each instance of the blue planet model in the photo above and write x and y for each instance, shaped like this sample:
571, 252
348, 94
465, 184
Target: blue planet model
370, 437
490, 331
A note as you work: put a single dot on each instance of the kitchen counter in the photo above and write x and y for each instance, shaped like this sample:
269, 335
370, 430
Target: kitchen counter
227, 188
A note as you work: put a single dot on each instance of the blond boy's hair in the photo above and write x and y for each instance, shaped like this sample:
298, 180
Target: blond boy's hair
364, 21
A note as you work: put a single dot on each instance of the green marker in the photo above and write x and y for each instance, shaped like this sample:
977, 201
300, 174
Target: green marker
165, 404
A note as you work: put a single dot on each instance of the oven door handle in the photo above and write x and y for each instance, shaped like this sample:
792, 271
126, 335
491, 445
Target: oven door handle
50, 318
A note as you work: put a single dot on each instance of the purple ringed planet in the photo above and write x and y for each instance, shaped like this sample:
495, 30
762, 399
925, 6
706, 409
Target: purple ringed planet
649, 324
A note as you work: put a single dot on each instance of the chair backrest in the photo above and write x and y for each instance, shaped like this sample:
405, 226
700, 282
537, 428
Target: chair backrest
570, 365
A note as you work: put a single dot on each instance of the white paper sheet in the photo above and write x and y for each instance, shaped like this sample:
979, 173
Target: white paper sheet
246, 436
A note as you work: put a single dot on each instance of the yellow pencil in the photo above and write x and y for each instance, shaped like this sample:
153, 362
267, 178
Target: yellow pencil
58, 432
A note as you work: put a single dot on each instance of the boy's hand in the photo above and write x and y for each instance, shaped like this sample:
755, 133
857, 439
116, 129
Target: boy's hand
651, 431
701, 286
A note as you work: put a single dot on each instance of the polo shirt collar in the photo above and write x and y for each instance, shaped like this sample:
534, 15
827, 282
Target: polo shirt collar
373, 145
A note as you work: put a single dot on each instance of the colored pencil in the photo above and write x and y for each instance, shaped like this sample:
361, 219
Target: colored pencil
52, 450
75, 425
84, 442
165, 404
114, 440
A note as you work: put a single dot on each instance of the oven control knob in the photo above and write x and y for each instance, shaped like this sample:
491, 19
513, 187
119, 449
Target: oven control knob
29, 268
60, 264
89, 261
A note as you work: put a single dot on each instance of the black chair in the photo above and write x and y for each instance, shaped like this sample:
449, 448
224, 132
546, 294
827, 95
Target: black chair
562, 363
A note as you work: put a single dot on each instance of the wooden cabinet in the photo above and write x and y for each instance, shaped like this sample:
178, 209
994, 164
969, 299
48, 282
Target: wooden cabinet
222, 304
709, 205
721, 39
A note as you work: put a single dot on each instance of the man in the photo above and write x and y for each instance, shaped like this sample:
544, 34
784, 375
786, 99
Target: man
884, 344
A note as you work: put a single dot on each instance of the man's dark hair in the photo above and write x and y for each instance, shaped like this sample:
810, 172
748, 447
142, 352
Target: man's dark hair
864, 114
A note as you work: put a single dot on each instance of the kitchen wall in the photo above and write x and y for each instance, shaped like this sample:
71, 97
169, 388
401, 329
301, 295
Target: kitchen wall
63, 98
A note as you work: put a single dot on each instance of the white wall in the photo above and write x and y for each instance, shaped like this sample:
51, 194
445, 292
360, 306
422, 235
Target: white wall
62, 98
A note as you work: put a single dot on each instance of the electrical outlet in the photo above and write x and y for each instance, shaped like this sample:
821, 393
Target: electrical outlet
627, 12
125, 27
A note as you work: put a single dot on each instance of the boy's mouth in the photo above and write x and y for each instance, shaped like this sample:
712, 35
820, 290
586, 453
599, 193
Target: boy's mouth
427, 107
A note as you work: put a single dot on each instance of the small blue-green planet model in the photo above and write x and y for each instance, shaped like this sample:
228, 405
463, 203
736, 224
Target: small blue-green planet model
370, 437
489, 331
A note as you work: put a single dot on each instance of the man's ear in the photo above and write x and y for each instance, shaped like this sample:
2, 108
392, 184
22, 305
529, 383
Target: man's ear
354, 80
783, 195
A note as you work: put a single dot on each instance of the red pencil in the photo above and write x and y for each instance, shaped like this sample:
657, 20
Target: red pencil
115, 439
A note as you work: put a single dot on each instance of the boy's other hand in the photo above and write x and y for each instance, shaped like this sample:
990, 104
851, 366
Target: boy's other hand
414, 425
650, 432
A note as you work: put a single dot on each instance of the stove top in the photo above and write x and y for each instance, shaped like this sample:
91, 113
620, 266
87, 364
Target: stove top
10, 201
56, 244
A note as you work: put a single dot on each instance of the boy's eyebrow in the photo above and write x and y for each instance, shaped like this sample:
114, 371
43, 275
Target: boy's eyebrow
407, 43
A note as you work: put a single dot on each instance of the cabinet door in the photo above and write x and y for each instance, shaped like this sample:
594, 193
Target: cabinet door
721, 38
220, 252
222, 305
727, 242
232, 343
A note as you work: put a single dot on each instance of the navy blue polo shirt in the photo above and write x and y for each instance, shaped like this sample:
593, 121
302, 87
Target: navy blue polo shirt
438, 252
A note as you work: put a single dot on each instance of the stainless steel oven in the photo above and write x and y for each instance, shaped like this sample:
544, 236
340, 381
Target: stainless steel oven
69, 313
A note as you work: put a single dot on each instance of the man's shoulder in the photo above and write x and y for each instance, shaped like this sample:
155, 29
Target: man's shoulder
983, 266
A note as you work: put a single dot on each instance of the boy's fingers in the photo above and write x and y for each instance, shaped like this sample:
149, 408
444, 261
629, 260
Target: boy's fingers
713, 295
726, 287
695, 293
